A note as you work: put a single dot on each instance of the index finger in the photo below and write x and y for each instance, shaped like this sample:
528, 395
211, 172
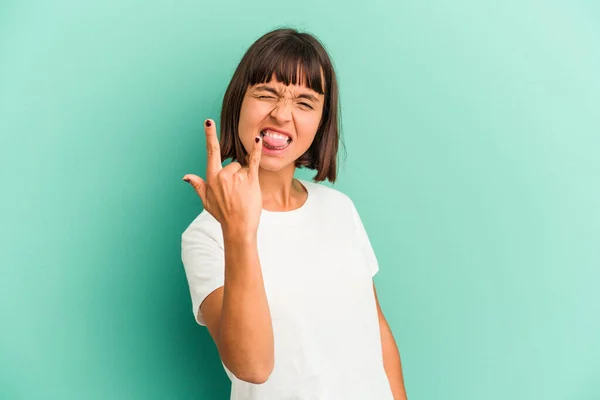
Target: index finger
213, 150
254, 158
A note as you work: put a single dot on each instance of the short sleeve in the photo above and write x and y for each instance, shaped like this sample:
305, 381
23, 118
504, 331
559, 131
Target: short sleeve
204, 263
364, 242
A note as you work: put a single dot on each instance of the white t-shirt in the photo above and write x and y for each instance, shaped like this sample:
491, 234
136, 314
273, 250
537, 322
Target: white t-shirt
317, 265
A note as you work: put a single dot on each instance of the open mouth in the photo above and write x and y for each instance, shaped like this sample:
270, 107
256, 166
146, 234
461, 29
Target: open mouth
274, 140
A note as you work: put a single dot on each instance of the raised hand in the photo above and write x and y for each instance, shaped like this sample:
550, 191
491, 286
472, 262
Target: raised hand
231, 194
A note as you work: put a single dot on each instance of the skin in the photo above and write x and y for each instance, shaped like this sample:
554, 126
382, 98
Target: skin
391, 356
287, 111
237, 315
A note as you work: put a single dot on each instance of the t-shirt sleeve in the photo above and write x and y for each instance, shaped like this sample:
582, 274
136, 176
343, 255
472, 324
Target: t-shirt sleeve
364, 242
203, 259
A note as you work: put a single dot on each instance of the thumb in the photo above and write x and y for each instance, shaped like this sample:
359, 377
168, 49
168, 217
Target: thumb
198, 184
255, 158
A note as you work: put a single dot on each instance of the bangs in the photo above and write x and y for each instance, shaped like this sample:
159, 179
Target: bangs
292, 62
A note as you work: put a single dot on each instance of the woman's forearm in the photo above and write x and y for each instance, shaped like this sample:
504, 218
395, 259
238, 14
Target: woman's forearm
246, 332
391, 361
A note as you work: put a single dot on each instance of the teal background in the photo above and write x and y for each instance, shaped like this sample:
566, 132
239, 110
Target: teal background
472, 134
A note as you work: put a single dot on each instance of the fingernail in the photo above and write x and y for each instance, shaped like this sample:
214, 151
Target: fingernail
187, 180
208, 123
257, 139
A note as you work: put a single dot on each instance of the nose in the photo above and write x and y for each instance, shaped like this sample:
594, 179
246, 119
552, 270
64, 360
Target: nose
281, 111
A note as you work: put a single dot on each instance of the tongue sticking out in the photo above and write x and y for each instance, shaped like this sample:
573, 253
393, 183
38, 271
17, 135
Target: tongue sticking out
274, 142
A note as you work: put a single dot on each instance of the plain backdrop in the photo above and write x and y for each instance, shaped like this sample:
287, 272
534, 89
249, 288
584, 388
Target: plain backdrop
472, 131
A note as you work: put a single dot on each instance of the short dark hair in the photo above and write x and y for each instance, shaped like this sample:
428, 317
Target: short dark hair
287, 53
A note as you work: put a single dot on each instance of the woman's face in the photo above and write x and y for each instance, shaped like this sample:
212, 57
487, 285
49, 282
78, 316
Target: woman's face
286, 117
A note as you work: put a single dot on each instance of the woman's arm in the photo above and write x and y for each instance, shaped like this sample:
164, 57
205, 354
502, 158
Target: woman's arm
237, 314
391, 355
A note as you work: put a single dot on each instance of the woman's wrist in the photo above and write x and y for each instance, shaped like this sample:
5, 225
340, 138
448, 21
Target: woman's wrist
239, 236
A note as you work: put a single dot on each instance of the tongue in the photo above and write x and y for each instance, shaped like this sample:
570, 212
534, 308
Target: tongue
274, 142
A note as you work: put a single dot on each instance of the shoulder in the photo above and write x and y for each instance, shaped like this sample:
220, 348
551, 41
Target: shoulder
203, 227
329, 196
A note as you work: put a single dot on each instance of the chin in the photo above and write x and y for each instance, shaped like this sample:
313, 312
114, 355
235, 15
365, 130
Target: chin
273, 164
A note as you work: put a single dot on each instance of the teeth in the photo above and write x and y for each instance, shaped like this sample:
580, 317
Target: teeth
275, 135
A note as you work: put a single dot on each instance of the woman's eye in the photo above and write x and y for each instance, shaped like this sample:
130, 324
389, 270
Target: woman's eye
271, 97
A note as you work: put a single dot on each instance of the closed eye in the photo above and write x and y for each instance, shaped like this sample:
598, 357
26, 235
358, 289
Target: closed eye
271, 97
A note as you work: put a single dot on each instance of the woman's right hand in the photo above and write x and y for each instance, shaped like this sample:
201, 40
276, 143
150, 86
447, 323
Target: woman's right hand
232, 194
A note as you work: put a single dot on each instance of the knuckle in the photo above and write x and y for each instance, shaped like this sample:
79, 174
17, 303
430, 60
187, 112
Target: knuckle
221, 175
233, 167
224, 176
212, 150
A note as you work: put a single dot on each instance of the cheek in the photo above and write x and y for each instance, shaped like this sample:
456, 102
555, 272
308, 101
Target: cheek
247, 113
308, 125
250, 117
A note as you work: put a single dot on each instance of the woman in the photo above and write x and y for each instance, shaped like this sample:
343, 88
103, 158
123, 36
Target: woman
280, 269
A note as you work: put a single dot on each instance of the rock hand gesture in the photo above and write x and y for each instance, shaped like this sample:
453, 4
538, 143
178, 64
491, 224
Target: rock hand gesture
232, 193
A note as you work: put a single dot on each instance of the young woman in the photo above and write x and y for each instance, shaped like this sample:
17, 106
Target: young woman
280, 269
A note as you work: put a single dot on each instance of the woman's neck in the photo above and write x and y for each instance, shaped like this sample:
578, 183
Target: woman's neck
280, 191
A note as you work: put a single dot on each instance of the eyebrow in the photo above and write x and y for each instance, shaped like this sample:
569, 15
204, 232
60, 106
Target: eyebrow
272, 90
